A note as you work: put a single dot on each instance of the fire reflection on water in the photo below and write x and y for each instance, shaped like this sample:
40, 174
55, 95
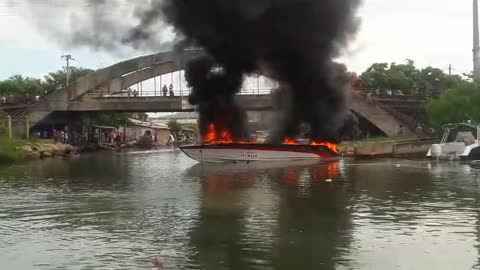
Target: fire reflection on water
220, 179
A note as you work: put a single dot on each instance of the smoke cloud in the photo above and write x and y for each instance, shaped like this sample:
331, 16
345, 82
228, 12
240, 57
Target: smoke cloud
213, 92
295, 40
114, 26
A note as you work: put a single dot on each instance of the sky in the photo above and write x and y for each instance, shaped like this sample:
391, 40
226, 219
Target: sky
431, 32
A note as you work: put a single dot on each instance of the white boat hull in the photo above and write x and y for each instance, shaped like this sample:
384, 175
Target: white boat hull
253, 153
452, 151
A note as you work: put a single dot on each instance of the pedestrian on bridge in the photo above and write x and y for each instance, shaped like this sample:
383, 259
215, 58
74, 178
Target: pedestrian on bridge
165, 90
172, 94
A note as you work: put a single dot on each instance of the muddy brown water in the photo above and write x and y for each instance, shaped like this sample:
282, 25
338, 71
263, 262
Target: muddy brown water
119, 210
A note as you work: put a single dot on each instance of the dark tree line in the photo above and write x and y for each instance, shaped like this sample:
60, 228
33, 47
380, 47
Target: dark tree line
409, 79
454, 98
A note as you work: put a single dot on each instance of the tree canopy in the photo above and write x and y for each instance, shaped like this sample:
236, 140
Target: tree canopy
408, 78
112, 119
20, 85
457, 104
57, 80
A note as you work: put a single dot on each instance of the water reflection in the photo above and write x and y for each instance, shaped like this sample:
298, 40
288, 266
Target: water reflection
414, 211
300, 224
119, 210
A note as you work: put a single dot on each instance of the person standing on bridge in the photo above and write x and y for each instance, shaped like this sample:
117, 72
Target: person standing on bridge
400, 131
419, 131
165, 90
171, 90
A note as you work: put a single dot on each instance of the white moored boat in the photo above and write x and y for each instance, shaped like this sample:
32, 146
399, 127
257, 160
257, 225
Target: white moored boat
258, 152
459, 142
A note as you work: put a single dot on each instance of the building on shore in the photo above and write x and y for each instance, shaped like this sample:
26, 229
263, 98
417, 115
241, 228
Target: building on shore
181, 118
136, 129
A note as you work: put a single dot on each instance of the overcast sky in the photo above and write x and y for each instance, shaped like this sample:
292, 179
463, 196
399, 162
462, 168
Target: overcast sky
431, 32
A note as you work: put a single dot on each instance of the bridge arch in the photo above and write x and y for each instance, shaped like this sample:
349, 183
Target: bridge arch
377, 116
125, 74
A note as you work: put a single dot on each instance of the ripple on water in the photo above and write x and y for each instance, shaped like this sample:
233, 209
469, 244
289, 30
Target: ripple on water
118, 211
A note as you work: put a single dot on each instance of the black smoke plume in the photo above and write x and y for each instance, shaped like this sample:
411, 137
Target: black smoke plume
296, 40
213, 91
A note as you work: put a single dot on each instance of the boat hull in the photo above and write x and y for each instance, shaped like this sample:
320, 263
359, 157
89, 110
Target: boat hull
258, 152
444, 152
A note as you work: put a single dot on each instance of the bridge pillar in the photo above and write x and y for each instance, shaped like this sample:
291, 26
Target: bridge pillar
18, 128
27, 128
9, 119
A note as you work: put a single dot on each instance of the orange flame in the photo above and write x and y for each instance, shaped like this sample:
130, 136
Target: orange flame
331, 146
215, 136
290, 141
211, 135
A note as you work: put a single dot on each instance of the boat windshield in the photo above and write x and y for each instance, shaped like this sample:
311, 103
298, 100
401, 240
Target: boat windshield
467, 133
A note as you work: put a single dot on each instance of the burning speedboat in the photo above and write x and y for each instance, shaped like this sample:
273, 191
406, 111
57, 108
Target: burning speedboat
259, 152
225, 149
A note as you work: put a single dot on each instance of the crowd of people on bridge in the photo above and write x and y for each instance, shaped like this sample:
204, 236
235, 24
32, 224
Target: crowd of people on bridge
131, 92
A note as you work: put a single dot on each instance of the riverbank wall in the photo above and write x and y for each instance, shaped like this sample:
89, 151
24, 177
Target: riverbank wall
388, 149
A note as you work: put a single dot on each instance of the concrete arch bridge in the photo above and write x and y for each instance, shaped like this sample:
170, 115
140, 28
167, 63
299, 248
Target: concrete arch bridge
119, 88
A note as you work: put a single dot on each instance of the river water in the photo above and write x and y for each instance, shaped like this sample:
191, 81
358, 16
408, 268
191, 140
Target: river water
119, 210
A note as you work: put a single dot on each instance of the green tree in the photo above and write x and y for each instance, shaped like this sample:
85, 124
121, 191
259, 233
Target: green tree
174, 126
140, 116
408, 78
375, 77
20, 85
58, 79
455, 105
112, 119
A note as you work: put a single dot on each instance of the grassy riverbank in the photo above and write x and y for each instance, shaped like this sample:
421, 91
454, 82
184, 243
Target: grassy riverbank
11, 150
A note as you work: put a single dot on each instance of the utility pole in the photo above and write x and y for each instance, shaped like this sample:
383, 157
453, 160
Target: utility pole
476, 43
450, 70
68, 58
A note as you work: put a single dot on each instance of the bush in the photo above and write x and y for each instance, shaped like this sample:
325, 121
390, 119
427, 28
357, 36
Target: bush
10, 150
455, 105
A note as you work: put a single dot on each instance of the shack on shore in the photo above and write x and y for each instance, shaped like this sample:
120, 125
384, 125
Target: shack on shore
136, 129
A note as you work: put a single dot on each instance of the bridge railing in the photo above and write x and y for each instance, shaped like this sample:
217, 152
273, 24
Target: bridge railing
10, 100
396, 93
133, 93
